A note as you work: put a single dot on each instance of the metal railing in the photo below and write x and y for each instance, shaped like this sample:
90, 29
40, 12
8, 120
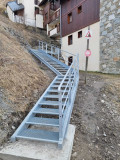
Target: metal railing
67, 96
56, 51
49, 49
67, 88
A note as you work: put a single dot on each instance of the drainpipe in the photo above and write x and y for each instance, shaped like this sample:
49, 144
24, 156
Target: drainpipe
60, 25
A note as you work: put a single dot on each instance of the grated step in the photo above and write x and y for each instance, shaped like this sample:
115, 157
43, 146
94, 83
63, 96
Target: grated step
50, 103
58, 86
56, 91
53, 96
62, 69
43, 121
39, 135
47, 111
58, 83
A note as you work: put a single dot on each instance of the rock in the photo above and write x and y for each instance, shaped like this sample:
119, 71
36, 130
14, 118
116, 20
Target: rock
74, 154
104, 95
13, 127
102, 101
104, 134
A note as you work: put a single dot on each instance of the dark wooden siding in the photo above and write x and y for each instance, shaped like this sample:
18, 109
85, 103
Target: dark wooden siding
89, 15
46, 10
57, 4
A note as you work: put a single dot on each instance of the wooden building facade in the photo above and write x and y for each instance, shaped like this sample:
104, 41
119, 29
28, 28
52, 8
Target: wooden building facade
76, 16
82, 13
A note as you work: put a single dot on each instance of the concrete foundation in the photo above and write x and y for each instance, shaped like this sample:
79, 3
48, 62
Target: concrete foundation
31, 150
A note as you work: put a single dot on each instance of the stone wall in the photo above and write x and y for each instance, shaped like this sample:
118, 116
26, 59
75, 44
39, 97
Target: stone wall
110, 36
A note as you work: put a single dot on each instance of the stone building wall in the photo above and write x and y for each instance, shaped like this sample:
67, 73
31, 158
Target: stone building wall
110, 36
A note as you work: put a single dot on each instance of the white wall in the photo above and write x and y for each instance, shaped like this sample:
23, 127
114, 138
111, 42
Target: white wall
29, 15
10, 14
19, 1
19, 19
53, 32
39, 21
29, 12
49, 28
80, 44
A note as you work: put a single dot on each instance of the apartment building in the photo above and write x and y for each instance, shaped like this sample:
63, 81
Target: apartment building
69, 20
51, 17
76, 16
26, 12
37, 13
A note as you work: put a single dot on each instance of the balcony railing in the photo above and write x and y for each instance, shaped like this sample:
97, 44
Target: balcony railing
55, 16
52, 7
54, 31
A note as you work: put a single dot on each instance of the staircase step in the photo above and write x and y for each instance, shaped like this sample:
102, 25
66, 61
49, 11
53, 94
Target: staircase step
55, 90
62, 69
47, 111
39, 135
62, 79
43, 121
52, 96
58, 83
50, 103
58, 86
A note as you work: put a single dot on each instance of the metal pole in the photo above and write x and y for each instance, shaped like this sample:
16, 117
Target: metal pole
46, 47
60, 120
86, 66
61, 25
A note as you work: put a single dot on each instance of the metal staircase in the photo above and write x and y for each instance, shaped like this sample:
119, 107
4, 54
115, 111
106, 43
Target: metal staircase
49, 118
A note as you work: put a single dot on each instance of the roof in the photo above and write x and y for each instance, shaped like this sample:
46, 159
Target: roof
14, 6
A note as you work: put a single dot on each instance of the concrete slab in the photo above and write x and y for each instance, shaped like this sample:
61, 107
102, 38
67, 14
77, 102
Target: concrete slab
31, 150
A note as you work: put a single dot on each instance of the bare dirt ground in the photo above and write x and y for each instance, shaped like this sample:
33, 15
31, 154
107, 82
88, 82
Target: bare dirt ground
96, 115
22, 80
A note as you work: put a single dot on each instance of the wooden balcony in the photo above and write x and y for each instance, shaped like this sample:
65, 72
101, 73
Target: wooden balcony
54, 32
55, 17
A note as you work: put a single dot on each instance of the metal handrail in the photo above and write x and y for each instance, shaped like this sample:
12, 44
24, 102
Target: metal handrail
48, 43
59, 51
59, 88
72, 75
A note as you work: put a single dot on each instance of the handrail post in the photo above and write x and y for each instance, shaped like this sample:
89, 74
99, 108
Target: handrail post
60, 120
39, 44
42, 45
51, 50
46, 47
70, 87
58, 53
78, 65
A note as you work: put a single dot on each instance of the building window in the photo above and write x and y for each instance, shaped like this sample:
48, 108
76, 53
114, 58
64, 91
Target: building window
36, 2
70, 40
36, 10
80, 34
70, 60
79, 9
69, 17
